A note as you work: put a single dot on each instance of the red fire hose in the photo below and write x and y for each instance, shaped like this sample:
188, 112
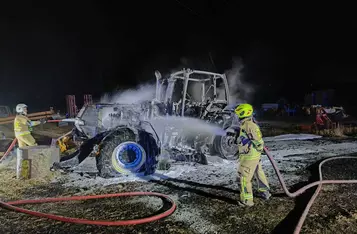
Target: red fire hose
53, 120
12, 145
10, 206
303, 189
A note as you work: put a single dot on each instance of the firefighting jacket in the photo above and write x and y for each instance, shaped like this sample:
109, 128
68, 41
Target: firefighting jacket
23, 125
250, 141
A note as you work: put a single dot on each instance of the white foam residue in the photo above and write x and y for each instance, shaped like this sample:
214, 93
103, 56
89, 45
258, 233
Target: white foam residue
176, 171
291, 152
75, 180
291, 137
331, 149
291, 156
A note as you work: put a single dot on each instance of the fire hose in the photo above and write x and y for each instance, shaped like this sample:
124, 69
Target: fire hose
14, 141
11, 206
318, 183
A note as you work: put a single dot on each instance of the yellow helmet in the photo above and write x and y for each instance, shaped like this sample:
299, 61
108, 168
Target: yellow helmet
244, 110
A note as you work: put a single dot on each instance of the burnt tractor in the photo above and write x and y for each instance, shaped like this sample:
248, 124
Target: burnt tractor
125, 140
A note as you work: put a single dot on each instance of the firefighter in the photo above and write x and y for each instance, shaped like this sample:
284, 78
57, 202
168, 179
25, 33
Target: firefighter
322, 120
327, 120
23, 127
319, 122
250, 147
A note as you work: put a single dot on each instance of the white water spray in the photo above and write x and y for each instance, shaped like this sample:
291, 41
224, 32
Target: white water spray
240, 91
187, 127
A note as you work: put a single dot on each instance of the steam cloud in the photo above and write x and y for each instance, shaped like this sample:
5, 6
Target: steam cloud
142, 93
239, 90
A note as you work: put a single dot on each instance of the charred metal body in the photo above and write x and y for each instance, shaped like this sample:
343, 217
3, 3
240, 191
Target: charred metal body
123, 140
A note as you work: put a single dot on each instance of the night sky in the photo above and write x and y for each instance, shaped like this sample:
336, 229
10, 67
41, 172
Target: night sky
52, 48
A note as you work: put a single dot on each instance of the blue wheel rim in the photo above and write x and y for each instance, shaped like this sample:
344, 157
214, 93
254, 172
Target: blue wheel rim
129, 147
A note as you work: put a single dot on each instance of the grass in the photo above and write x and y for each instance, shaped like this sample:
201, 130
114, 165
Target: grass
217, 207
340, 131
334, 211
12, 188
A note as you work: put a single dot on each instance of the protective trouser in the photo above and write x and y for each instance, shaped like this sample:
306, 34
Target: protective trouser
248, 169
26, 140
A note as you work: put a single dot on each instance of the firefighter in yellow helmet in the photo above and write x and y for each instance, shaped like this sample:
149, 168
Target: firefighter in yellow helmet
23, 127
250, 147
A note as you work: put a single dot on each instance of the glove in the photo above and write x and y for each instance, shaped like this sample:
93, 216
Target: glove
264, 150
244, 140
260, 150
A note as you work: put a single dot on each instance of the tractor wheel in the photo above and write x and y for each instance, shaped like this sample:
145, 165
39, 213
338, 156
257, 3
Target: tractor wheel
120, 153
225, 147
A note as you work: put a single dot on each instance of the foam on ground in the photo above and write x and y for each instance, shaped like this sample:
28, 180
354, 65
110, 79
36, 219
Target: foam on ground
290, 137
291, 156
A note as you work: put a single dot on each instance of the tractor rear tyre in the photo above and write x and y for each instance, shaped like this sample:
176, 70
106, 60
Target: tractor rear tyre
127, 152
226, 147
104, 159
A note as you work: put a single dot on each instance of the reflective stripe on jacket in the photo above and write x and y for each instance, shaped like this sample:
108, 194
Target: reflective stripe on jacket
250, 143
23, 125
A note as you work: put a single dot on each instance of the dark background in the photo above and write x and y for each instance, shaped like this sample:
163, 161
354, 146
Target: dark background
52, 48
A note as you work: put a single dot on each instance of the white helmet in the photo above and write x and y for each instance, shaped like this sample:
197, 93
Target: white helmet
20, 108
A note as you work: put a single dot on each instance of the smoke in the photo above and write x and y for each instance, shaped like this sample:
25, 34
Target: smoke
196, 63
239, 90
140, 94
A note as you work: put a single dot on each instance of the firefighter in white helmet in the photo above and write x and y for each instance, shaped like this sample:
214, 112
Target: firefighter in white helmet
23, 127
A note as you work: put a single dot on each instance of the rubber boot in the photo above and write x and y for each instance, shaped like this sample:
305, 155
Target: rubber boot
264, 195
246, 203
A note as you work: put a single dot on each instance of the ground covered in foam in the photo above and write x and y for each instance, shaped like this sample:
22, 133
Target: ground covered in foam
206, 195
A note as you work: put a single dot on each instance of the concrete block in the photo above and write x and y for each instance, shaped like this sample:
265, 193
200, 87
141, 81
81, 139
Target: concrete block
36, 161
